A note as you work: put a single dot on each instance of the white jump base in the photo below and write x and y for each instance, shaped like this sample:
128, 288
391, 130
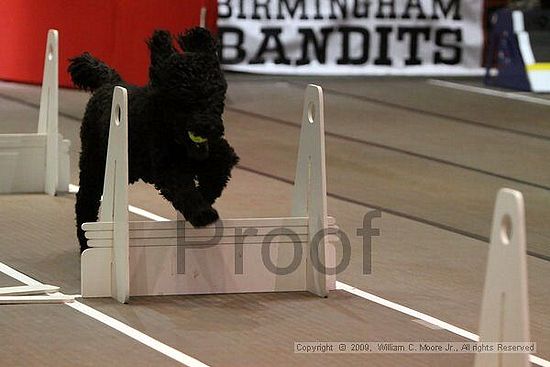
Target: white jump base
38, 162
141, 258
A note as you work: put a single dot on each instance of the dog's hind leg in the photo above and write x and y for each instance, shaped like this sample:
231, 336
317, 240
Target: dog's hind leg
86, 208
88, 198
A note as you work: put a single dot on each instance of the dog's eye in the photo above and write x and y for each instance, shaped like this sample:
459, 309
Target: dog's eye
196, 138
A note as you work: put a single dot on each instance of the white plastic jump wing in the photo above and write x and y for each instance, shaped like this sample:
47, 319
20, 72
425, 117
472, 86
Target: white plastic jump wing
504, 310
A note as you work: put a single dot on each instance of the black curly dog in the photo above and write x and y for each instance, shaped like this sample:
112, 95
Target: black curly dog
175, 132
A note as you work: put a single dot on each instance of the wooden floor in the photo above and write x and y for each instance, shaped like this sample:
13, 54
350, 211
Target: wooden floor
430, 157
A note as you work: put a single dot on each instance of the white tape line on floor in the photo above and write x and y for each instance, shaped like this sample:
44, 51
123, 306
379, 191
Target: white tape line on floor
407, 311
137, 335
111, 322
426, 318
12, 273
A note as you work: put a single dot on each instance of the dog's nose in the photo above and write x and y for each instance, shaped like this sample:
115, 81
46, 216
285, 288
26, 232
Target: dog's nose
217, 130
212, 130
207, 126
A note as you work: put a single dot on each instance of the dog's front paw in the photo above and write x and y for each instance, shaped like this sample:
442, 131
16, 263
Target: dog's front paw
203, 217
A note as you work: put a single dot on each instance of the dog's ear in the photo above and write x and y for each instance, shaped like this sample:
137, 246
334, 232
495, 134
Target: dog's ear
197, 39
161, 46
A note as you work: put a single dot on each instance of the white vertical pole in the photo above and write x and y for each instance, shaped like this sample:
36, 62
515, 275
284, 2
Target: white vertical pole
504, 309
114, 207
202, 20
310, 194
47, 121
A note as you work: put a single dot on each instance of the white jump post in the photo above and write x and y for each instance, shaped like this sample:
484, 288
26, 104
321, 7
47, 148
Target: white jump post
49, 108
38, 162
114, 206
504, 309
141, 258
202, 17
310, 194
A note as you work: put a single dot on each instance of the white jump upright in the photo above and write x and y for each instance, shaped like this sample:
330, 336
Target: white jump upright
248, 255
202, 17
505, 309
310, 194
38, 162
114, 206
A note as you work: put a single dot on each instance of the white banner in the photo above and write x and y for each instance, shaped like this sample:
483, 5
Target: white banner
351, 37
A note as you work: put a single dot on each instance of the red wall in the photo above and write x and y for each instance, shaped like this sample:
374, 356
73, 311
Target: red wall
113, 30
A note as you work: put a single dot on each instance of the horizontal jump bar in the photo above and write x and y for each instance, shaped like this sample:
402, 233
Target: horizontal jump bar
8, 300
226, 223
225, 241
28, 290
228, 241
198, 233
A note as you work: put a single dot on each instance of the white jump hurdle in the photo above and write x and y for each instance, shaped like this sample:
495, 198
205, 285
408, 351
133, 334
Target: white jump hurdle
146, 258
38, 162
202, 17
505, 309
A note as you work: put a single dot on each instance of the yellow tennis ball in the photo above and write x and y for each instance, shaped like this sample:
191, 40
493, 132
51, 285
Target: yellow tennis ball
195, 138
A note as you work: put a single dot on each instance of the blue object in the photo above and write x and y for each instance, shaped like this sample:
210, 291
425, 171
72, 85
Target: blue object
503, 52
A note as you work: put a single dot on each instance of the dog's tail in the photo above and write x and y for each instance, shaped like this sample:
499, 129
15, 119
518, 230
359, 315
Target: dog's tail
90, 73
